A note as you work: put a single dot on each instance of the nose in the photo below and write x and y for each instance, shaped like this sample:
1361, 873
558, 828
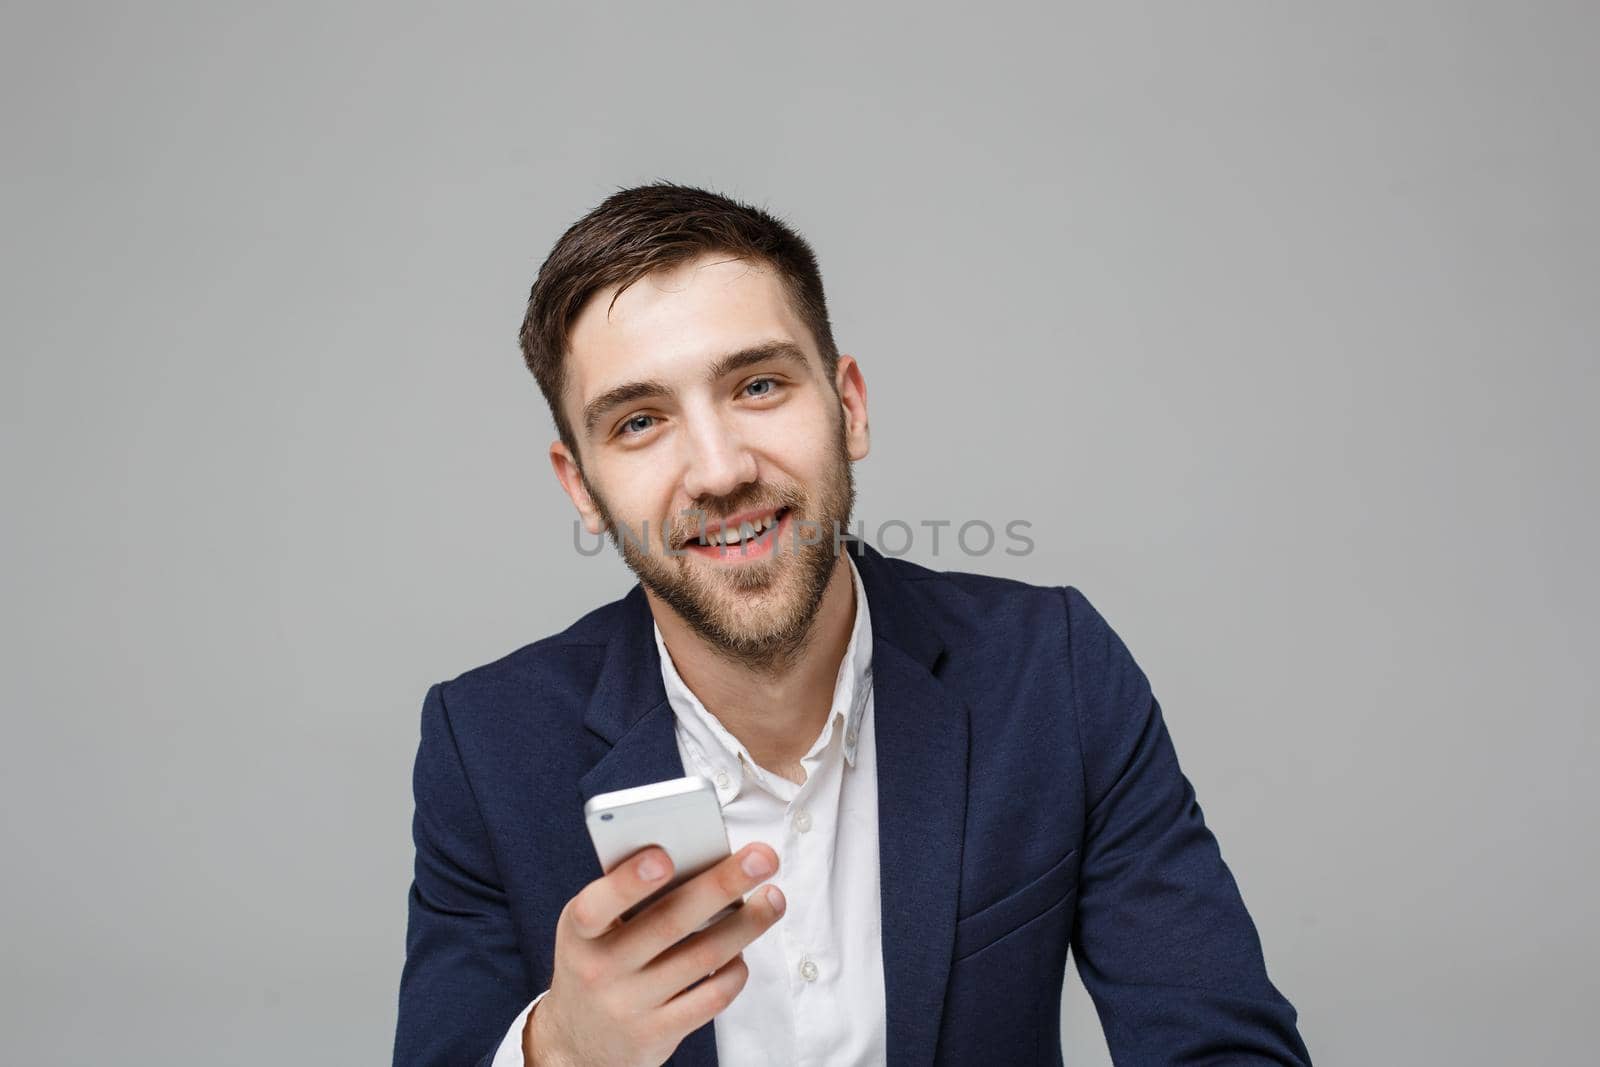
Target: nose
718, 461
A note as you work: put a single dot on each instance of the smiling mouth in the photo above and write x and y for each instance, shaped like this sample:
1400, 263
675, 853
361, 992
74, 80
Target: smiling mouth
742, 533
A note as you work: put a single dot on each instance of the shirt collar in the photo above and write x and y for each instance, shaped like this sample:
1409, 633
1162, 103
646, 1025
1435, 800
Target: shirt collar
854, 685
851, 690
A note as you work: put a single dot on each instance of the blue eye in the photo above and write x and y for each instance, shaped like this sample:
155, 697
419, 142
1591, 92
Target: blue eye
762, 381
637, 418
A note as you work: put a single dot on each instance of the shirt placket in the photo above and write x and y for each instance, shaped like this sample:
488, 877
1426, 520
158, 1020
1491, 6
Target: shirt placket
812, 969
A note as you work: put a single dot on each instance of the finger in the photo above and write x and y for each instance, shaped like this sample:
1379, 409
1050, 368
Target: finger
599, 905
709, 950
680, 912
693, 1008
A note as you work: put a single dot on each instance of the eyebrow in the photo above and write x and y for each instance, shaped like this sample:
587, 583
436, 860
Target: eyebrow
631, 392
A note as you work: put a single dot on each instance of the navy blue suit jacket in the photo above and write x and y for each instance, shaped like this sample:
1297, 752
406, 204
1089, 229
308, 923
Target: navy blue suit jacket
1029, 799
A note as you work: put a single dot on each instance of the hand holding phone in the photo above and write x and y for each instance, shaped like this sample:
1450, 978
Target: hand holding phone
681, 816
628, 992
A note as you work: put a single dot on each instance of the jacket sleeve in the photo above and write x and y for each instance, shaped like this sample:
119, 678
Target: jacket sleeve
1161, 938
464, 981
509, 1054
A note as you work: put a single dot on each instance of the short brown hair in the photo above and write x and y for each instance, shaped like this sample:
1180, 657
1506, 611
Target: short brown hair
635, 232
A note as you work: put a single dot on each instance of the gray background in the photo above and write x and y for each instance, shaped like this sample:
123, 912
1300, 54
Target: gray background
1277, 322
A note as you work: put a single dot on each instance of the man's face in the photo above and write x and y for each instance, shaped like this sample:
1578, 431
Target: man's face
700, 399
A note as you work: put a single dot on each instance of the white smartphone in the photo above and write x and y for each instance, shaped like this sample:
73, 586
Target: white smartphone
682, 816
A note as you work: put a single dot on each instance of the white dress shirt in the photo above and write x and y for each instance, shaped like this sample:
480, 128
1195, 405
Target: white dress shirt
815, 993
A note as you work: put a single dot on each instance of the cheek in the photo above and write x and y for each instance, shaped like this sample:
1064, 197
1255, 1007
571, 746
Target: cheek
630, 491
807, 461
802, 437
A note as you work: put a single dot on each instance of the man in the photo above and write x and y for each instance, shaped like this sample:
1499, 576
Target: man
934, 782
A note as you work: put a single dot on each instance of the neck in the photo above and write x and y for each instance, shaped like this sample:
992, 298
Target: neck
776, 715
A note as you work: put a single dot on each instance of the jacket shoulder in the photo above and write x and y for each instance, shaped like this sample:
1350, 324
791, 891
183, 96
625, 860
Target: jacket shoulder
554, 675
975, 592
988, 600
997, 619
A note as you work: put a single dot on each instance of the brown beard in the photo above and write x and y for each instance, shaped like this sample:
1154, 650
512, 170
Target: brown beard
697, 597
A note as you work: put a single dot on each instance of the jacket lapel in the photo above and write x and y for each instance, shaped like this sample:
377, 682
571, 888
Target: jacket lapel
629, 711
921, 738
921, 735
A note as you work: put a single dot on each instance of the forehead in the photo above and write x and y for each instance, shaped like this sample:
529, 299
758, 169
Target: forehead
669, 324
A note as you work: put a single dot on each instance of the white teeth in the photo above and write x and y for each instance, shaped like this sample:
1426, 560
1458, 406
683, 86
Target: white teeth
745, 531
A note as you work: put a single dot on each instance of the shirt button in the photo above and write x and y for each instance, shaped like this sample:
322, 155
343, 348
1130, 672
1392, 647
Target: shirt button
850, 738
802, 820
723, 781
808, 970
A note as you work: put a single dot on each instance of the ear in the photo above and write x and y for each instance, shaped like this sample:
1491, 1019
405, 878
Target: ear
570, 475
852, 390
